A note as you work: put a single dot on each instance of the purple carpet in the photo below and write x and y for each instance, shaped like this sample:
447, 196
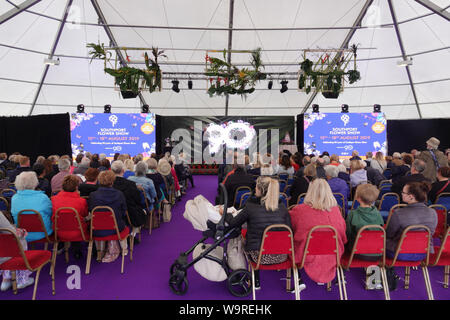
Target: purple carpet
147, 276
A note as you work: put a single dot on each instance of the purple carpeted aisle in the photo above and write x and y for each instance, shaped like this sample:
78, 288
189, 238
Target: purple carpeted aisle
147, 276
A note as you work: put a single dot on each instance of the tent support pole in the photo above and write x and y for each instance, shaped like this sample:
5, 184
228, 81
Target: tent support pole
50, 56
17, 10
402, 48
230, 42
434, 8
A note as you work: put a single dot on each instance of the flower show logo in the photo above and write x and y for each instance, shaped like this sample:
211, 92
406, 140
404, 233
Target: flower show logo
378, 127
147, 128
345, 118
113, 118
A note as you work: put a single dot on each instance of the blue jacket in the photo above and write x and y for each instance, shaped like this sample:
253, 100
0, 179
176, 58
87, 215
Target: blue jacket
147, 184
338, 185
36, 200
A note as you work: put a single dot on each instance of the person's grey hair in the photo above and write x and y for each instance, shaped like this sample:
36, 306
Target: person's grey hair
419, 165
85, 162
346, 163
26, 181
101, 156
326, 160
341, 168
63, 164
397, 155
117, 166
331, 171
141, 169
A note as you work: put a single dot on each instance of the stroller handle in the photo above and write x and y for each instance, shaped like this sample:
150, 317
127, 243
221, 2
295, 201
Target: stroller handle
220, 227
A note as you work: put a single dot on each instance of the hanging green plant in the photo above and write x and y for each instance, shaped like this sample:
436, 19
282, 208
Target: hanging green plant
231, 80
328, 76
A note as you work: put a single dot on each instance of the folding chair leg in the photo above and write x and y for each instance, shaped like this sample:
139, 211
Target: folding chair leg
339, 283
66, 250
344, 288
288, 279
151, 222
253, 284
14, 281
46, 246
53, 283
296, 287
407, 274
89, 257
131, 247
36, 283
385, 284
426, 277
329, 286
123, 260
54, 254
446, 276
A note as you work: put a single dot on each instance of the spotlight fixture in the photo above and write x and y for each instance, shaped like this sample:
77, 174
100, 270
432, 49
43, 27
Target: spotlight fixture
344, 108
51, 62
284, 86
190, 84
107, 108
145, 108
80, 108
376, 108
175, 86
270, 85
315, 108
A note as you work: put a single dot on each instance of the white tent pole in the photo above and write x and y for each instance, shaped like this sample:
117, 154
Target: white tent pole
18, 9
344, 45
50, 56
110, 35
402, 48
230, 45
436, 9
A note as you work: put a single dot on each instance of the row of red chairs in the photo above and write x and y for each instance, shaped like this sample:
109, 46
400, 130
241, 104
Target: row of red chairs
371, 239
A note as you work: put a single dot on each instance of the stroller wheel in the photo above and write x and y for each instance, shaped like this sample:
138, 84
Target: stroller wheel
239, 283
178, 284
174, 267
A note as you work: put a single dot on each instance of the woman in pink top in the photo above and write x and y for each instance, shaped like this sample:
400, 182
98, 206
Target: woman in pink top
319, 208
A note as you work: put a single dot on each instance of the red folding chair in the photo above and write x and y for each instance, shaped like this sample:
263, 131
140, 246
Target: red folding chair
441, 256
371, 239
277, 242
31, 220
414, 240
325, 242
32, 260
103, 218
391, 212
441, 226
67, 228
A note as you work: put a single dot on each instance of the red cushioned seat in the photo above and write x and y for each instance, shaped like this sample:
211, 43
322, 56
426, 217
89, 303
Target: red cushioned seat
279, 266
35, 258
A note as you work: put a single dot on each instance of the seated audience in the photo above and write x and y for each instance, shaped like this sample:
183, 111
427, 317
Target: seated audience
336, 184
104, 165
23, 278
417, 169
319, 208
300, 184
261, 211
64, 170
320, 171
378, 162
365, 214
44, 184
132, 196
106, 195
343, 173
90, 185
334, 160
305, 161
296, 161
238, 179
29, 198
403, 169
24, 165
433, 158
95, 161
285, 166
357, 173
441, 185
83, 166
49, 170
69, 197
355, 156
141, 179
373, 175
129, 168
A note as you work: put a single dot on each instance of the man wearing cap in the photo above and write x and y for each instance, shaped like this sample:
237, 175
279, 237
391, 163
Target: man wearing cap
433, 158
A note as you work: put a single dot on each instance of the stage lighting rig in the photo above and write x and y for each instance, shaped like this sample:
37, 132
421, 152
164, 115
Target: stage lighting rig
344, 108
107, 108
284, 86
80, 108
145, 108
190, 84
376, 108
270, 85
175, 84
315, 108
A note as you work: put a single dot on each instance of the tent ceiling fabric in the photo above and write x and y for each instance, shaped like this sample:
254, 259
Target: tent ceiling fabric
185, 29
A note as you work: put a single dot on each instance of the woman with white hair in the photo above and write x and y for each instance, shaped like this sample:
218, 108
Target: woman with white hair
319, 208
129, 168
141, 180
29, 198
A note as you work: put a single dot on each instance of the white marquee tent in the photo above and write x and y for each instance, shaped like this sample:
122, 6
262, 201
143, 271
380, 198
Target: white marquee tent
386, 31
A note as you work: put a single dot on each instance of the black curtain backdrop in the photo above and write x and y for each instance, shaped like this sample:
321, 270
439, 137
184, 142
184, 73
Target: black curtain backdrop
403, 135
36, 135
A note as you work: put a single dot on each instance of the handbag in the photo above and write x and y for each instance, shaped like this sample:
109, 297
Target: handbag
167, 212
235, 254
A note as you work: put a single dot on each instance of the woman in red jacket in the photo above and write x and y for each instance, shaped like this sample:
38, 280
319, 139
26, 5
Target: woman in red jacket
319, 208
70, 197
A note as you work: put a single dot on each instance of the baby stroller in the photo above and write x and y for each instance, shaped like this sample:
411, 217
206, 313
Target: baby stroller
216, 266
